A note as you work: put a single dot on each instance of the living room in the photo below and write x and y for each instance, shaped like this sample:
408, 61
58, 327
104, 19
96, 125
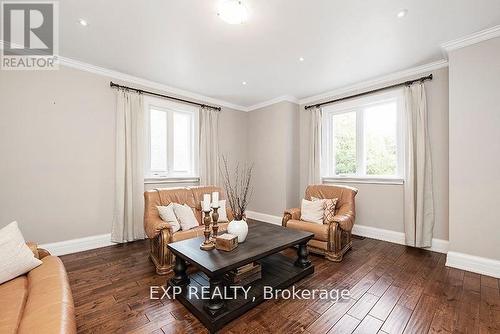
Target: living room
250, 166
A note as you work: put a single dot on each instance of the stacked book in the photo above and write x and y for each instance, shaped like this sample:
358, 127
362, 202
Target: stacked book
245, 275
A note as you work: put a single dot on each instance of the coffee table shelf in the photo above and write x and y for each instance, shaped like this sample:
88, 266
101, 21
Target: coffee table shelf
278, 271
263, 245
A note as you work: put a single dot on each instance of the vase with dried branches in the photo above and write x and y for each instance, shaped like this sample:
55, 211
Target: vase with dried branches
239, 189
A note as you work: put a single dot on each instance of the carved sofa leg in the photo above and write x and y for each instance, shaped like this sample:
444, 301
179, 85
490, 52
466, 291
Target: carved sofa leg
160, 255
338, 246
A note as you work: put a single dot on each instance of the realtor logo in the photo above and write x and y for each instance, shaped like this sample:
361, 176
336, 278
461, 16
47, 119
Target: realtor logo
29, 35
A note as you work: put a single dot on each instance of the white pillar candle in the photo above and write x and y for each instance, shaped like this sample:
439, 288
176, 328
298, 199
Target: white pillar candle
206, 202
215, 199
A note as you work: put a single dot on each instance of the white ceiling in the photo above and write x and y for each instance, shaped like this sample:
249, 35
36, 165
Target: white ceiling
182, 43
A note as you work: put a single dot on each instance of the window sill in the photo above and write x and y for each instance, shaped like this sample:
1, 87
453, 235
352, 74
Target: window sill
363, 180
166, 180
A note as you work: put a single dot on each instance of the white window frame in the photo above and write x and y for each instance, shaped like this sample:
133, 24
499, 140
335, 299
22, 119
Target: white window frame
358, 105
170, 107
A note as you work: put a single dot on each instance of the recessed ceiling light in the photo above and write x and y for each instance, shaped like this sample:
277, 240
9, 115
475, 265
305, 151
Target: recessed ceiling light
232, 11
244, 83
402, 13
83, 22
301, 59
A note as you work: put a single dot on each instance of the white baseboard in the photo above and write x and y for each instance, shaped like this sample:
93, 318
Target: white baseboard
78, 245
379, 234
438, 245
263, 217
476, 264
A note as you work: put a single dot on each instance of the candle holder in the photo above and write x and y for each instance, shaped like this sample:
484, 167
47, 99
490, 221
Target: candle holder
215, 219
207, 244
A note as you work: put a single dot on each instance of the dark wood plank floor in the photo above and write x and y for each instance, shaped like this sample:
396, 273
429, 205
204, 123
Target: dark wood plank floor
394, 289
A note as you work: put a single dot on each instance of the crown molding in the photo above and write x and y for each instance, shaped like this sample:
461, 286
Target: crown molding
377, 81
68, 62
112, 74
284, 98
79, 65
474, 38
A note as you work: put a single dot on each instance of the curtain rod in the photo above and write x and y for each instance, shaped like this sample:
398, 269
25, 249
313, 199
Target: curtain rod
406, 83
112, 85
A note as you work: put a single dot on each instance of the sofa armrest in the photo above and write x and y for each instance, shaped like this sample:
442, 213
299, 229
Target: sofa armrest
289, 214
154, 225
345, 221
39, 253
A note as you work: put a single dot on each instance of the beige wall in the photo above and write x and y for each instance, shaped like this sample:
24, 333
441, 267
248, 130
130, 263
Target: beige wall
272, 148
474, 149
57, 147
57, 132
381, 206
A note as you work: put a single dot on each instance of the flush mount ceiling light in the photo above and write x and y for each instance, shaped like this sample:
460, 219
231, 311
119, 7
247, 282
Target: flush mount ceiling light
232, 11
83, 22
244, 83
402, 13
301, 59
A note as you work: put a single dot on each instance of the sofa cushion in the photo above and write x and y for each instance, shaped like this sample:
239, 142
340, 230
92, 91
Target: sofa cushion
49, 307
320, 245
192, 233
195, 232
13, 295
320, 230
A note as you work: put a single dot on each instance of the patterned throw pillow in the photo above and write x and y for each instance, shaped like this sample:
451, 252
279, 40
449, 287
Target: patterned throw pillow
330, 205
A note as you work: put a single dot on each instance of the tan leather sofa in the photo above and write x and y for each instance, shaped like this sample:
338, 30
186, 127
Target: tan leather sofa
332, 240
160, 232
40, 301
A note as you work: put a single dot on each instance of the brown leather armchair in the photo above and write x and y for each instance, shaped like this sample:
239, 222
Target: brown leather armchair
332, 240
160, 233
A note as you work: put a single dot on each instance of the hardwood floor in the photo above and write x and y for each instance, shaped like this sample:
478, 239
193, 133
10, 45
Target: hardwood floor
394, 289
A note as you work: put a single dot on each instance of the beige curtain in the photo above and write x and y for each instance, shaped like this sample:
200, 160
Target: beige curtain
209, 146
314, 176
418, 195
129, 178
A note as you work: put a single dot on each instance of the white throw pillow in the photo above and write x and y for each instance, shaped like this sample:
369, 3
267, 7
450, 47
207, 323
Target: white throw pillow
167, 215
222, 212
16, 258
186, 217
312, 211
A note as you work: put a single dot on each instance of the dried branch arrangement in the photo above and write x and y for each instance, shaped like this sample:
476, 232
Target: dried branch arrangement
238, 187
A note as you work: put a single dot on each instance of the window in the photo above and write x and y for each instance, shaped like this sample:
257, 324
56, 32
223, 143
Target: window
172, 138
363, 138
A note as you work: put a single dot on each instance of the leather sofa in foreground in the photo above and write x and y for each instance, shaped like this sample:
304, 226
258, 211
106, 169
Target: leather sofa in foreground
40, 301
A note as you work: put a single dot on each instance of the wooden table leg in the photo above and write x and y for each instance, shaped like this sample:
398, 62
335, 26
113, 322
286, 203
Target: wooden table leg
302, 256
216, 303
180, 277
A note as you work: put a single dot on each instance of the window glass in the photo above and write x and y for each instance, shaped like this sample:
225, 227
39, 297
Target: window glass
381, 139
158, 147
362, 138
344, 136
182, 141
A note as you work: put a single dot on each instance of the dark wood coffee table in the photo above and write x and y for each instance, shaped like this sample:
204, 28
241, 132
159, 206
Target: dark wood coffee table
263, 244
